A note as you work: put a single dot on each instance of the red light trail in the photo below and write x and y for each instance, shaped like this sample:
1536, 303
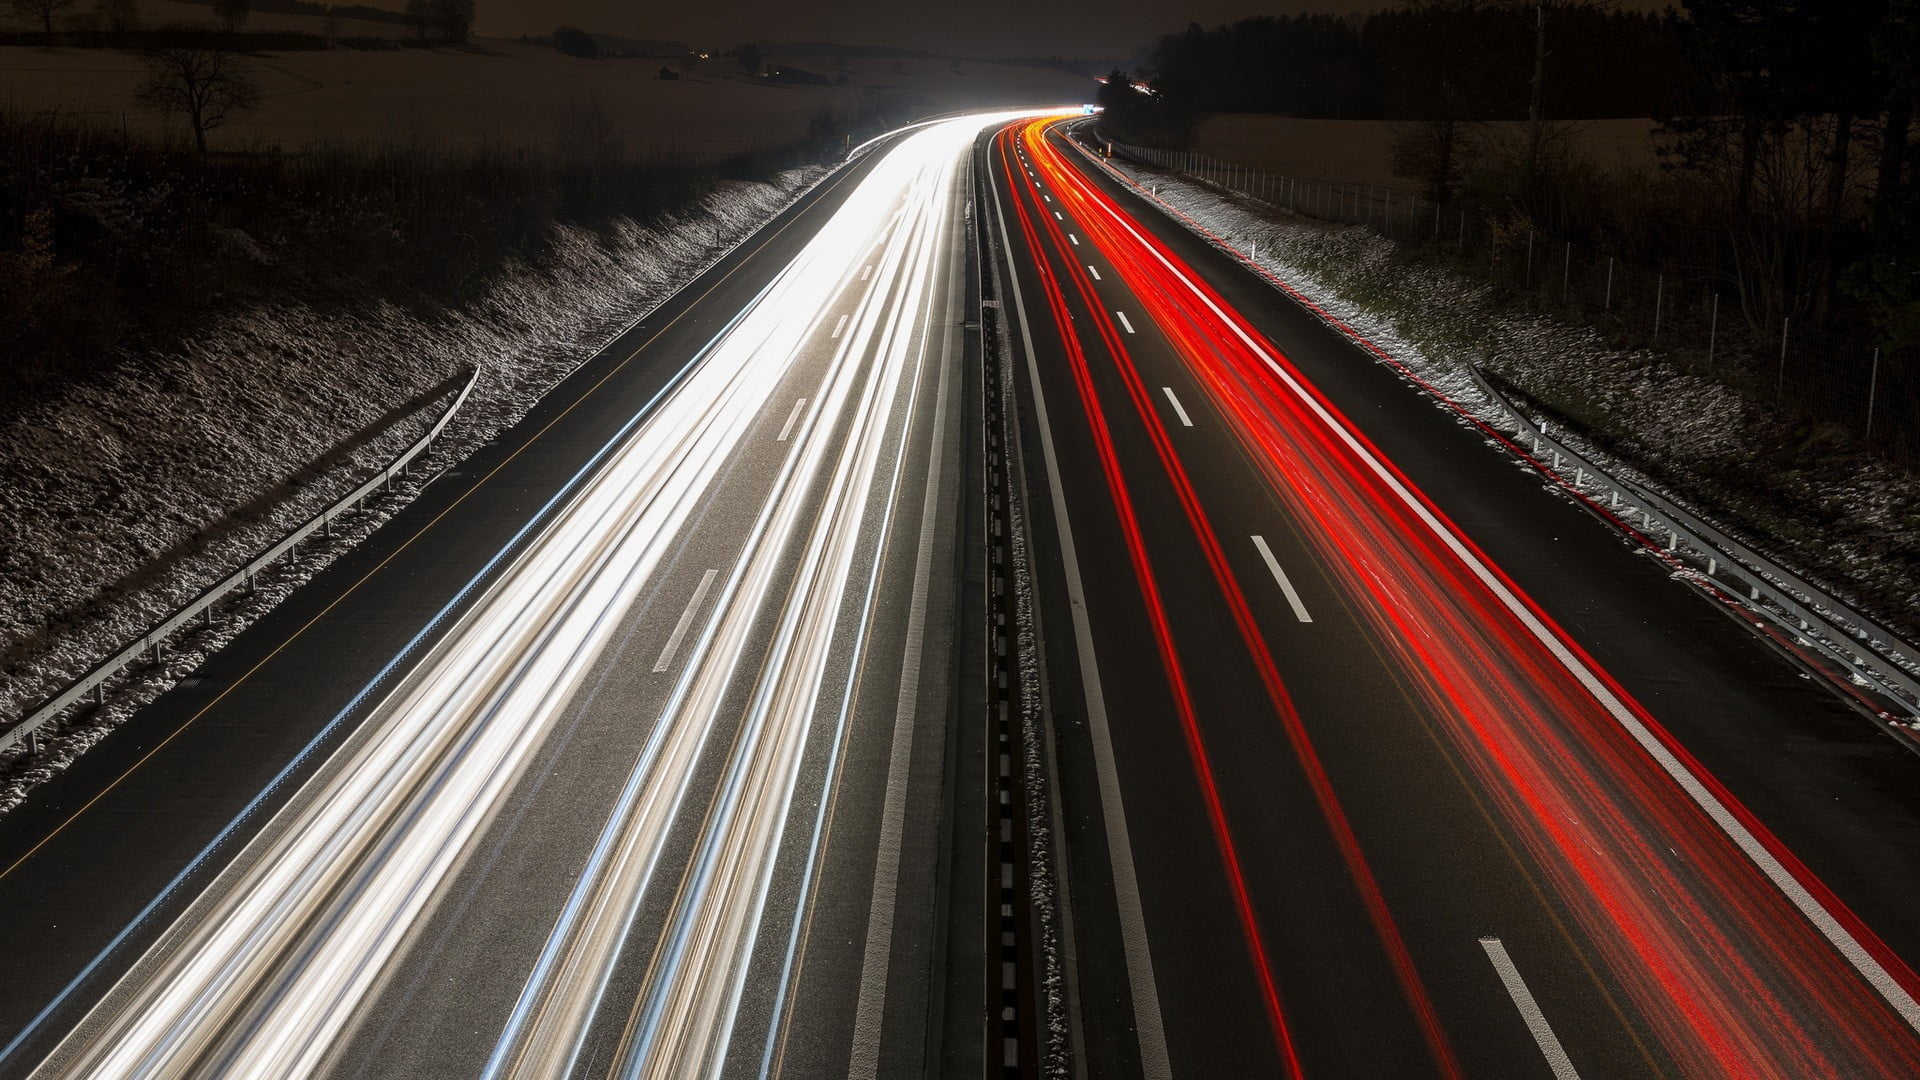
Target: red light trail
1736, 959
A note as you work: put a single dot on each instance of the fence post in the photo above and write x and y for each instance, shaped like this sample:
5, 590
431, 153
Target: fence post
1873, 387
1713, 330
1566, 275
1608, 306
1529, 258
1659, 299
1387, 218
1463, 230
1780, 383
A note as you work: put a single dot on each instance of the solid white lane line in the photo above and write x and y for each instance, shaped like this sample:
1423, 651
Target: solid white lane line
1178, 409
839, 326
786, 429
1830, 927
1279, 575
1149, 1028
686, 620
1095, 273
888, 863
1122, 316
1529, 1009
1075, 239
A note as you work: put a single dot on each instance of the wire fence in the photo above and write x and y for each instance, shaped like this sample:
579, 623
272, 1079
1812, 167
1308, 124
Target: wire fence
1809, 372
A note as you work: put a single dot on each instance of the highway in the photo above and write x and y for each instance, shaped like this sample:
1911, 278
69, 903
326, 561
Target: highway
1376, 758
653, 740
623, 752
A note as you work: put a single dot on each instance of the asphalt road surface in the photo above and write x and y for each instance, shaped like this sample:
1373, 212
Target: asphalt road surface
1378, 760
620, 752
639, 745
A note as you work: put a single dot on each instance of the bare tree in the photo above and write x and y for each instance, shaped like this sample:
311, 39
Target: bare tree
1444, 131
453, 18
231, 14
419, 15
1436, 150
1542, 14
42, 10
207, 86
119, 16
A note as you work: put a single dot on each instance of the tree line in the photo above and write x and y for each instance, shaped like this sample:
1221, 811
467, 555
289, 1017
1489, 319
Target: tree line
1782, 129
446, 20
1381, 66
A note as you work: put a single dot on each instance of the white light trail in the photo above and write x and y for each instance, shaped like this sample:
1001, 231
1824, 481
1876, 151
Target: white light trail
266, 974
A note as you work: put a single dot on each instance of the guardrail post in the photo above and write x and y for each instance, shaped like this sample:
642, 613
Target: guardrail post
1713, 330
1873, 388
1780, 382
33, 743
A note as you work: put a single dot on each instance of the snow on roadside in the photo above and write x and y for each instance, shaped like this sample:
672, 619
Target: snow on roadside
125, 498
1842, 519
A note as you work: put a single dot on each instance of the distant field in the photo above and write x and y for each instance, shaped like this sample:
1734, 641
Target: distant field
511, 94
164, 12
1356, 151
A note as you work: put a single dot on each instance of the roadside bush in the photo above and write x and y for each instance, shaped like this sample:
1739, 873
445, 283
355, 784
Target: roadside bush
110, 245
573, 41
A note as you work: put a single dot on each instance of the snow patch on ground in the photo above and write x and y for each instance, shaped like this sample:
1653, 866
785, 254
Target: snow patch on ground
1844, 520
125, 498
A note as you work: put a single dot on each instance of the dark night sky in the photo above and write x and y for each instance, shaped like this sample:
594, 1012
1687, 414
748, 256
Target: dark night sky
1092, 28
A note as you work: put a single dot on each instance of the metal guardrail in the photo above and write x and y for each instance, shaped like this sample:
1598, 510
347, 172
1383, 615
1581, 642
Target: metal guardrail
94, 681
1870, 654
1866, 651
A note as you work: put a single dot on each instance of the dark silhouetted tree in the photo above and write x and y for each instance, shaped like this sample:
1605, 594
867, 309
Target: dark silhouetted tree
1441, 91
419, 15
574, 41
231, 14
206, 86
452, 19
1544, 18
119, 16
41, 11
